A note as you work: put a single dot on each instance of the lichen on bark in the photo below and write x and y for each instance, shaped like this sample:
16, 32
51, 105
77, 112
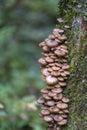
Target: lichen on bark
74, 13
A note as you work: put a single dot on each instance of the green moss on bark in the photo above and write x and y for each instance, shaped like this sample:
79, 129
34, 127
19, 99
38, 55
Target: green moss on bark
74, 14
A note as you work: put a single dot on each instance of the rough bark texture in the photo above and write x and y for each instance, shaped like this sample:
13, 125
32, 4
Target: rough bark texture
74, 13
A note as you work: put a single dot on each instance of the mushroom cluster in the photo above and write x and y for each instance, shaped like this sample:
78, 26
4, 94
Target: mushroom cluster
55, 70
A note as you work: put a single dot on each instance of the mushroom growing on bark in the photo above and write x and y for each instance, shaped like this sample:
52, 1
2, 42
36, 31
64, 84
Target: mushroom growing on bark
55, 69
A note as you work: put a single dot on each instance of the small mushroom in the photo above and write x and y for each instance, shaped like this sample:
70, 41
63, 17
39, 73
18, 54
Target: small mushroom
64, 115
51, 94
53, 109
62, 105
41, 100
58, 118
45, 112
50, 103
65, 67
49, 60
60, 53
44, 90
67, 72
62, 84
42, 44
60, 78
65, 100
51, 80
55, 68
48, 118
57, 90
45, 48
45, 72
57, 86
66, 111
51, 43
42, 61
62, 122
58, 97
46, 97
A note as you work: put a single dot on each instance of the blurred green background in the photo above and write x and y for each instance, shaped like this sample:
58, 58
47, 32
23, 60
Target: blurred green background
23, 24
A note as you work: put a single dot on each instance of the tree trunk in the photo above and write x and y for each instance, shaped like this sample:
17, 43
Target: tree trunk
74, 13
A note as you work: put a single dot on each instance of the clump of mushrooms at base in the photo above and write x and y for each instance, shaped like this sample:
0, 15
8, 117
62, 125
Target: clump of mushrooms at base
55, 69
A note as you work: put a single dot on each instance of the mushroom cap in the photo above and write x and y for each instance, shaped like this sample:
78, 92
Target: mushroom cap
51, 43
60, 78
45, 72
42, 61
65, 100
64, 115
62, 105
59, 53
44, 90
46, 48
51, 80
50, 103
58, 96
42, 44
62, 122
49, 60
55, 73
58, 118
45, 112
55, 68
48, 118
54, 109
65, 67
62, 84
57, 90
51, 94
46, 97
41, 100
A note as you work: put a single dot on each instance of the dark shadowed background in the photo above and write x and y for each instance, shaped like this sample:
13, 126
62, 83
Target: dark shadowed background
23, 24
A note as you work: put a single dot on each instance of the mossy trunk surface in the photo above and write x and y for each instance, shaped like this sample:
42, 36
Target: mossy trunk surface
74, 14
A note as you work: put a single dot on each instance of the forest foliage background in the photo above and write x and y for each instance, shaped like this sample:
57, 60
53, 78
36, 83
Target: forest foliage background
23, 24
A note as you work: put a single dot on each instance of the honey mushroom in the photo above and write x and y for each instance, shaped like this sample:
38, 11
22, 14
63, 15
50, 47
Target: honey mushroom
55, 69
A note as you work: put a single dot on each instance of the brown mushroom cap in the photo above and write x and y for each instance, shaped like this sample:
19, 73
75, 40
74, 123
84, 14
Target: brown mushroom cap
51, 94
62, 122
55, 68
58, 118
60, 53
58, 96
65, 100
44, 90
42, 44
42, 61
46, 97
45, 72
51, 43
64, 115
65, 67
51, 80
45, 112
57, 90
46, 48
50, 103
54, 109
41, 100
48, 118
62, 84
62, 105
49, 60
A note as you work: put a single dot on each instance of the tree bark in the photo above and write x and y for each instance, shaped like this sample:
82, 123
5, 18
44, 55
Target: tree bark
74, 13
